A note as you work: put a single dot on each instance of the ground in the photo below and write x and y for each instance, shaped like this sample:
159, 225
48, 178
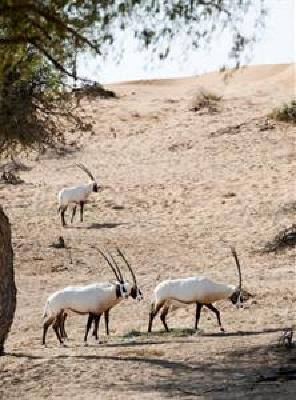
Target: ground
180, 188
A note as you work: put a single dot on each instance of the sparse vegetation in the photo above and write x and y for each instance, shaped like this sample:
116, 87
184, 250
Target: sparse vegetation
10, 178
285, 238
285, 113
207, 101
93, 91
175, 332
134, 333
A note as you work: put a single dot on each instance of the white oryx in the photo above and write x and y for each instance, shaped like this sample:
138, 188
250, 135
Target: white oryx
197, 290
93, 299
76, 195
135, 293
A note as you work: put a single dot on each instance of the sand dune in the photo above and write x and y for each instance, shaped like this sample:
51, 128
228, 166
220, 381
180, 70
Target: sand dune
183, 186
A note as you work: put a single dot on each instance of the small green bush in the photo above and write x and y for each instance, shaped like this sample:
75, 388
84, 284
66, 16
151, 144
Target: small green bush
286, 112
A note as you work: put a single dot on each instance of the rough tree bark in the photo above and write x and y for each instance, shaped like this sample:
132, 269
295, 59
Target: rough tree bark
7, 284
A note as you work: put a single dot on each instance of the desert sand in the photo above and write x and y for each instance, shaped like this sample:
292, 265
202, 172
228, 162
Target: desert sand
181, 187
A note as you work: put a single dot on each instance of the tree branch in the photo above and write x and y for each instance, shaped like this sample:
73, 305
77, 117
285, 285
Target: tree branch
56, 63
40, 28
19, 39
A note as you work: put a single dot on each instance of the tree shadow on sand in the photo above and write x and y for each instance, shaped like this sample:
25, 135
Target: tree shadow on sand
259, 372
249, 372
241, 333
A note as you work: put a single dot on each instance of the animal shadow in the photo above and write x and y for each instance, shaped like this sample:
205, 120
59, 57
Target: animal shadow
109, 225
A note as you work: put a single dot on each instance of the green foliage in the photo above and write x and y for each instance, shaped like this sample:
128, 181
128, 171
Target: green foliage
33, 114
286, 113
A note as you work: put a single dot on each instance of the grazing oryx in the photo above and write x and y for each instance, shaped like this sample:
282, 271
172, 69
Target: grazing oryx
134, 292
195, 290
94, 299
76, 195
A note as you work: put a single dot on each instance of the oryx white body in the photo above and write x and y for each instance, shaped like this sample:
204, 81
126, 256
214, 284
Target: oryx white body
198, 290
75, 194
94, 298
191, 290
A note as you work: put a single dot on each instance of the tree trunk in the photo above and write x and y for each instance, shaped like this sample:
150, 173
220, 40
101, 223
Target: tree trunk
7, 284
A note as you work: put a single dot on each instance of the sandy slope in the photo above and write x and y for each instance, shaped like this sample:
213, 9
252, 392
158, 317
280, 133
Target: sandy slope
183, 185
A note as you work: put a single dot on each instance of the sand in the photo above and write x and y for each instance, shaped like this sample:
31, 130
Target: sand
182, 187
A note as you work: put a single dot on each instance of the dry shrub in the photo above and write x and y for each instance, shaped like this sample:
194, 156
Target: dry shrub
207, 101
9, 178
93, 91
14, 165
286, 112
285, 238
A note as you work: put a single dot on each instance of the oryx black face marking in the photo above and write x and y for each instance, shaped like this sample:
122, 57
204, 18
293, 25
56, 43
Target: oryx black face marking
118, 291
237, 297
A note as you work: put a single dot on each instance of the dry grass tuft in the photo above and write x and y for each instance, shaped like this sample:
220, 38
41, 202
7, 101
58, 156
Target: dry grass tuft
285, 238
285, 113
9, 178
207, 101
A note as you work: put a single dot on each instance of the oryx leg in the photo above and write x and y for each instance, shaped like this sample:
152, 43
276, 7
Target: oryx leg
217, 312
197, 314
81, 210
46, 325
56, 326
63, 210
91, 316
163, 314
73, 213
106, 316
62, 326
153, 312
96, 327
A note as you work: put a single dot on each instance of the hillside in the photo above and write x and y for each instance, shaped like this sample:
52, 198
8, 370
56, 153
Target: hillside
181, 187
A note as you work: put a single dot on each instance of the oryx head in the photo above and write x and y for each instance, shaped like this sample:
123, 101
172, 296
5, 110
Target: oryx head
95, 186
239, 296
135, 292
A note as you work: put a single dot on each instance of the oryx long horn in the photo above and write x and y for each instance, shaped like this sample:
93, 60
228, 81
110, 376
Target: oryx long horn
238, 266
127, 264
109, 263
116, 266
86, 170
